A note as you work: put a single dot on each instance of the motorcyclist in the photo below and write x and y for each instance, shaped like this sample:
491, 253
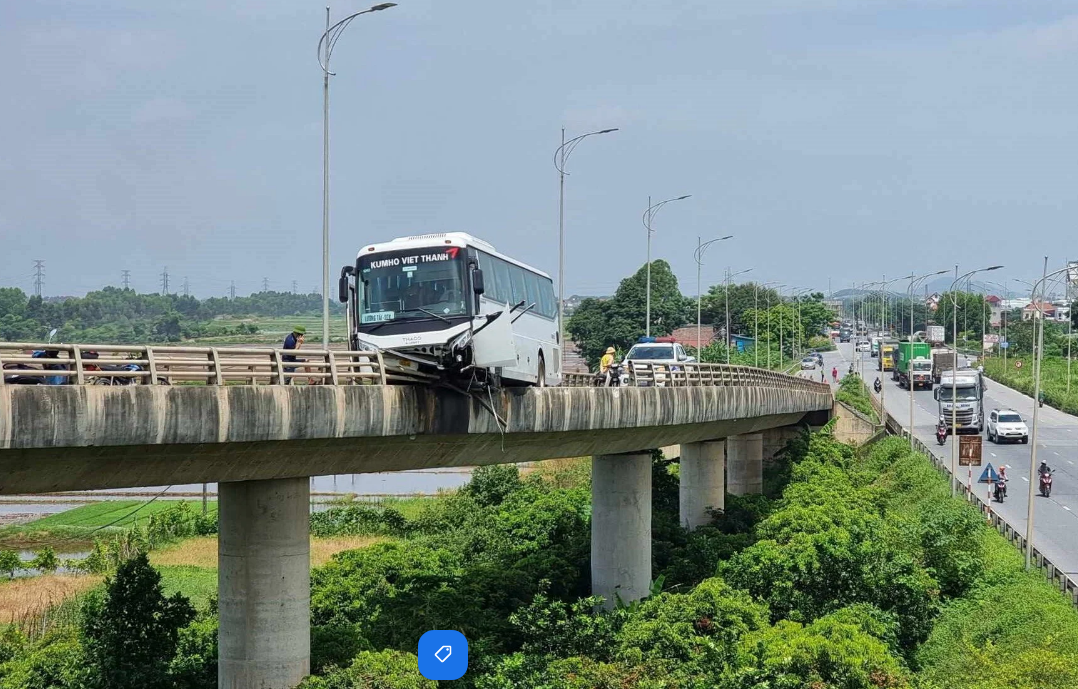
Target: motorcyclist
1044, 468
1001, 478
877, 386
606, 360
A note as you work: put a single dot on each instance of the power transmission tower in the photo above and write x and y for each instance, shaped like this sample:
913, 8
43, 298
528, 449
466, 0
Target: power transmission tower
186, 287
232, 290
164, 281
39, 277
265, 284
126, 278
293, 287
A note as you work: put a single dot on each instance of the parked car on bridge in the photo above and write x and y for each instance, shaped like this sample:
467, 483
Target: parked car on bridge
1007, 424
658, 354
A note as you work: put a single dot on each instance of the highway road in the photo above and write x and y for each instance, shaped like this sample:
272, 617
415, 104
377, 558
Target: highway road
1055, 518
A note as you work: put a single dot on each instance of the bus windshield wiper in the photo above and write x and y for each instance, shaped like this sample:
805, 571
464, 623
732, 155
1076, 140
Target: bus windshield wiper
431, 313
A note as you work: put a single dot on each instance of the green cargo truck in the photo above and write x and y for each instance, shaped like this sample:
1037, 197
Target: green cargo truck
913, 362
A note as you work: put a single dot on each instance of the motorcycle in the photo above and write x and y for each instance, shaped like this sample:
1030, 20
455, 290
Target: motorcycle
941, 432
610, 379
877, 386
1000, 490
118, 368
1046, 484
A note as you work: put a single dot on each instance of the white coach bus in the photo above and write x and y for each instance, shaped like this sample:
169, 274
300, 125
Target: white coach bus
449, 305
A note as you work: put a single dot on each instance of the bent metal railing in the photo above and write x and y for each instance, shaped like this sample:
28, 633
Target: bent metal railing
693, 374
90, 364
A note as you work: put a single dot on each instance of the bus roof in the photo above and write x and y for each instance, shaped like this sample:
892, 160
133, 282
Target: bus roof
461, 239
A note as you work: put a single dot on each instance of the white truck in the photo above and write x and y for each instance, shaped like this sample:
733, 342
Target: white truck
935, 334
961, 393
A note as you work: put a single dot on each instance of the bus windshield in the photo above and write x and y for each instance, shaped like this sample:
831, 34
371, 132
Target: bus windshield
413, 283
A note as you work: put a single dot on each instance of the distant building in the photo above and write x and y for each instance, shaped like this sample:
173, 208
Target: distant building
687, 335
932, 301
1033, 310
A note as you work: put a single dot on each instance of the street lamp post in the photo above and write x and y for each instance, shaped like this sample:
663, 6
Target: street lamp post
325, 52
728, 276
913, 283
1038, 357
698, 255
884, 316
649, 215
954, 379
778, 287
560, 157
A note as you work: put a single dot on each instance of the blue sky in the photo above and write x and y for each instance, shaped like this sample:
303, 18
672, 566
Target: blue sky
820, 134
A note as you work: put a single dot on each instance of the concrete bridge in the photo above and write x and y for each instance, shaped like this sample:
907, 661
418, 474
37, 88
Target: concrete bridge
262, 442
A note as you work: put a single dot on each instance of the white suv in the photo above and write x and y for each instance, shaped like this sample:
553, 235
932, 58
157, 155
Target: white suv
1007, 424
667, 356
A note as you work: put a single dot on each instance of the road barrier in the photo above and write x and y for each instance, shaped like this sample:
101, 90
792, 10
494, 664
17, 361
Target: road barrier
120, 364
699, 374
1058, 578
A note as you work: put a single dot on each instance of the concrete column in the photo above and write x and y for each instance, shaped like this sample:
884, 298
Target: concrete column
702, 481
745, 464
775, 440
620, 526
264, 584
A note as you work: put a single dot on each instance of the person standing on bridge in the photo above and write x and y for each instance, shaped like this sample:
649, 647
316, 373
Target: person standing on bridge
294, 340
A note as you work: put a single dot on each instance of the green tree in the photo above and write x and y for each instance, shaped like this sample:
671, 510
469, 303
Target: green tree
131, 631
45, 560
620, 320
743, 304
10, 562
374, 670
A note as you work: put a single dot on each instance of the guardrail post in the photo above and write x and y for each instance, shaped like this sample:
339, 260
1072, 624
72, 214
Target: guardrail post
278, 366
331, 361
381, 367
151, 365
215, 360
76, 354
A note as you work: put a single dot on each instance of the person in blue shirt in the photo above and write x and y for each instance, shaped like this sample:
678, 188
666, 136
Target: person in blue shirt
294, 340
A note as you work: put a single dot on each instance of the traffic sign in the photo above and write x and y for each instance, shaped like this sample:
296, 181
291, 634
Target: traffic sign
969, 451
1003, 344
1018, 363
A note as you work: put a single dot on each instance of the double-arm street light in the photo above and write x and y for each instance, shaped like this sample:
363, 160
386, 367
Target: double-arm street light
727, 290
561, 155
1038, 361
756, 326
800, 341
698, 256
909, 291
325, 52
649, 215
954, 380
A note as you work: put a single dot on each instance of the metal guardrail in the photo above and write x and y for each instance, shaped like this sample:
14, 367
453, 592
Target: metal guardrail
121, 364
1057, 577
699, 374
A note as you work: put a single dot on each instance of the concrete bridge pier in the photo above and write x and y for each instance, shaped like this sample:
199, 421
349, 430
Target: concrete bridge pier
745, 464
702, 485
264, 584
621, 526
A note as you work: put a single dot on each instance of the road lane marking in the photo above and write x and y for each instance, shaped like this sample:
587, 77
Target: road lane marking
1025, 479
1055, 453
1066, 508
992, 453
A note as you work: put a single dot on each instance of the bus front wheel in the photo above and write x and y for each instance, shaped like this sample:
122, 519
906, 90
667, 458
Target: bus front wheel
540, 379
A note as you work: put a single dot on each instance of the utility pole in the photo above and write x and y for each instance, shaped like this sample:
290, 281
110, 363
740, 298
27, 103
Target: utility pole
186, 287
39, 277
126, 279
164, 281
293, 287
265, 284
232, 290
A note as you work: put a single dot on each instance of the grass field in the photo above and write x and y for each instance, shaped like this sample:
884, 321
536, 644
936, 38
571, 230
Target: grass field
79, 525
32, 596
197, 583
274, 330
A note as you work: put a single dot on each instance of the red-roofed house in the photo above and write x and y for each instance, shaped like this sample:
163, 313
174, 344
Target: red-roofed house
1032, 310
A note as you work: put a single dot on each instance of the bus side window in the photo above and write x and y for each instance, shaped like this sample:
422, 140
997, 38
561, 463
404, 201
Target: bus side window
520, 290
531, 282
503, 291
549, 301
486, 264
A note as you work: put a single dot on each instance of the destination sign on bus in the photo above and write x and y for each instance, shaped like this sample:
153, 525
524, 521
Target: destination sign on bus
394, 261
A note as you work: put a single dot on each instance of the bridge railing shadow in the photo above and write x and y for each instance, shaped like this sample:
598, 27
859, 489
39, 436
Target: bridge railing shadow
643, 374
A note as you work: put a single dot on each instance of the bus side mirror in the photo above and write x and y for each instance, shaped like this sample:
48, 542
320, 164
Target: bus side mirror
477, 281
342, 285
936, 394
